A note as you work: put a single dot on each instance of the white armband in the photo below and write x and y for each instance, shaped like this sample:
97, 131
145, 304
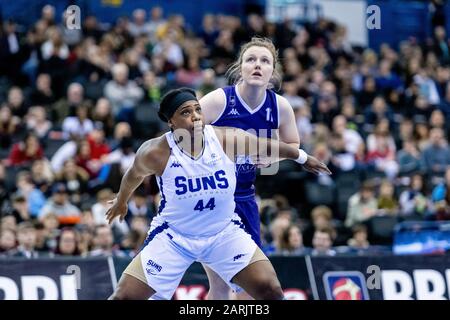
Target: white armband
302, 157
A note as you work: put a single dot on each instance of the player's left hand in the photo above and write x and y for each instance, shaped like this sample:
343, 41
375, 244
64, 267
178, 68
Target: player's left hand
315, 166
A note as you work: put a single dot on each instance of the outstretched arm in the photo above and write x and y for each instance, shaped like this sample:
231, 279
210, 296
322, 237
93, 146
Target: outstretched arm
145, 164
288, 133
239, 142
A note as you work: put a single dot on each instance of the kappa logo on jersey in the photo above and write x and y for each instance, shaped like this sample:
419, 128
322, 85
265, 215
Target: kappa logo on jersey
176, 164
152, 268
233, 112
345, 285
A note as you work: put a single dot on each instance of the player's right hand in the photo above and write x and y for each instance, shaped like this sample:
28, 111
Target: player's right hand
117, 209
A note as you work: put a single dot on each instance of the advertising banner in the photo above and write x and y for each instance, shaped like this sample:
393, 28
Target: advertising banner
56, 278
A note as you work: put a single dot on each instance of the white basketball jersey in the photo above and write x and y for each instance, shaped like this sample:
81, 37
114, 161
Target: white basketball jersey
197, 195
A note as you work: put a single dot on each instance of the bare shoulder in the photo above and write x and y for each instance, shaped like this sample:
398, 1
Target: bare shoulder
213, 105
154, 153
287, 116
283, 104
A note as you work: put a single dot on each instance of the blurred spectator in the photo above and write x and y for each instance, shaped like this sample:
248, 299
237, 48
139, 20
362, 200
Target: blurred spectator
408, 158
123, 94
362, 205
156, 22
427, 87
43, 94
20, 207
341, 160
323, 242
368, 93
440, 43
16, 102
55, 54
421, 134
413, 200
26, 236
75, 178
48, 15
387, 202
3, 187
138, 206
42, 175
79, 125
103, 113
190, 75
138, 26
99, 210
387, 79
8, 221
34, 198
437, 120
359, 239
10, 52
445, 103
91, 28
59, 204
436, 157
8, 241
23, 153
351, 137
124, 155
36, 121
153, 87
67, 106
54, 46
291, 242
45, 237
321, 217
381, 150
276, 228
9, 125
378, 111
441, 198
67, 243
132, 242
103, 244
209, 31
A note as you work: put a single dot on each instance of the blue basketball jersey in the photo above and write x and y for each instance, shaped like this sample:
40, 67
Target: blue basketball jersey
260, 121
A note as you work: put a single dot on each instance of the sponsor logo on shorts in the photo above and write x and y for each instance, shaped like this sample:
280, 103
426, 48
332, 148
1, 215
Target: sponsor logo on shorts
345, 285
152, 268
239, 256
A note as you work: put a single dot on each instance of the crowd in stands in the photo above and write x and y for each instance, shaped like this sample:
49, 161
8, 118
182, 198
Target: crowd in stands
76, 104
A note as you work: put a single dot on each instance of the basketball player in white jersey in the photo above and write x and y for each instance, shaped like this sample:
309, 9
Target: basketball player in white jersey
196, 219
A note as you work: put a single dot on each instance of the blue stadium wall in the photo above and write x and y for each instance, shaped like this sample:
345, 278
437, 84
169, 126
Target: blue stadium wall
26, 12
399, 19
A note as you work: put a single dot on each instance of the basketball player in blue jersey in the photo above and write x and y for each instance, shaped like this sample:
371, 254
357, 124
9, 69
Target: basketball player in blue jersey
195, 169
250, 104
